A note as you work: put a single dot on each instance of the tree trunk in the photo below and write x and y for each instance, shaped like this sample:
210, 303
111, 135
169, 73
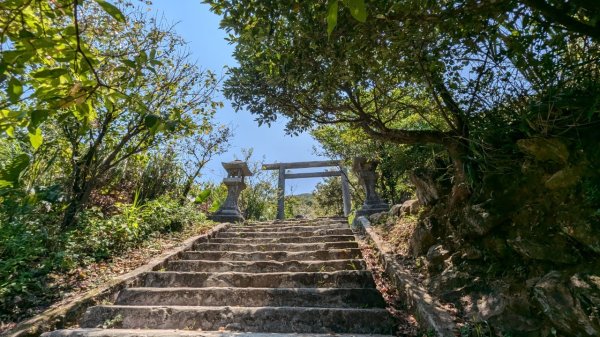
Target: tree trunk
81, 190
80, 197
188, 184
460, 185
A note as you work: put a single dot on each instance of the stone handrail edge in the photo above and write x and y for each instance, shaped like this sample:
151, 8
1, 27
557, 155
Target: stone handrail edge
429, 312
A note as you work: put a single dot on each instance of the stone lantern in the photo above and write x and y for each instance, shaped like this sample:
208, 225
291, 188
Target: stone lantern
230, 211
365, 170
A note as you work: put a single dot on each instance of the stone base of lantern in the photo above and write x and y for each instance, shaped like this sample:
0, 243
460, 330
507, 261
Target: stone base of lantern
227, 215
367, 210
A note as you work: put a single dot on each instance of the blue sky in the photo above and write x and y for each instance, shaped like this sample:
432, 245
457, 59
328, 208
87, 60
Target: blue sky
200, 28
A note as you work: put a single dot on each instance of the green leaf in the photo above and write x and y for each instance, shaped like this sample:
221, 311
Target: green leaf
38, 117
129, 63
10, 131
332, 13
15, 89
9, 176
143, 57
36, 138
50, 73
112, 10
202, 196
151, 121
215, 206
115, 96
25, 34
357, 9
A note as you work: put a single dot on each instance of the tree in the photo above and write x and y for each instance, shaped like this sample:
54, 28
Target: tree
162, 175
446, 65
162, 95
93, 99
47, 68
346, 142
580, 16
328, 198
199, 149
113, 86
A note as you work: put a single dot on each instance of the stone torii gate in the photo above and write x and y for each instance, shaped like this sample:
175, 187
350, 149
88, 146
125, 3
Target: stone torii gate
282, 167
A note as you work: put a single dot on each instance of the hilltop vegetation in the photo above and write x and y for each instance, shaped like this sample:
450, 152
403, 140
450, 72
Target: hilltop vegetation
489, 111
105, 124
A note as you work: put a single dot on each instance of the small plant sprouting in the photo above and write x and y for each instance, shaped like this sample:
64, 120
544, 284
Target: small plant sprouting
114, 322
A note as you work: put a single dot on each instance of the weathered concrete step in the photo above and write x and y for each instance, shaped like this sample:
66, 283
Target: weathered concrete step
183, 333
267, 247
254, 297
323, 255
264, 266
312, 222
289, 239
252, 319
251, 234
336, 279
286, 228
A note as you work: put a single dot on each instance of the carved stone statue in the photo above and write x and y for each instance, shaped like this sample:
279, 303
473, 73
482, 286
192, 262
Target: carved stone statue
365, 170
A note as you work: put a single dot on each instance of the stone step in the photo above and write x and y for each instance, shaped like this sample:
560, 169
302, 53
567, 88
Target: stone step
279, 279
264, 266
253, 297
323, 255
312, 228
336, 279
251, 319
267, 247
289, 239
297, 223
183, 333
251, 234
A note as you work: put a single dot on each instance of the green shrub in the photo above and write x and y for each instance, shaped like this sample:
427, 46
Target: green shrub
31, 247
99, 237
25, 260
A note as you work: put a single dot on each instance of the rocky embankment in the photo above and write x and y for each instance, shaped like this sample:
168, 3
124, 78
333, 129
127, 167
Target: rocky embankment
522, 262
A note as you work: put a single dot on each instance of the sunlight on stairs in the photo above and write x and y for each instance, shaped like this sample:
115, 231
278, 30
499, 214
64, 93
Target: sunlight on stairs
284, 278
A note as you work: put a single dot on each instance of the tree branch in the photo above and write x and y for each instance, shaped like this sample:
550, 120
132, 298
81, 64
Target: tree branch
563, 19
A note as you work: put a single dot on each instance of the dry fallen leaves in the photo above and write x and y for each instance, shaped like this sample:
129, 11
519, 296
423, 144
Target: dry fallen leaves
408, 325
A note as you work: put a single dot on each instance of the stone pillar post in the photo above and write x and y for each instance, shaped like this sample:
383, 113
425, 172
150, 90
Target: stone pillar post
345, 191
230, 211
365, 170
281, 194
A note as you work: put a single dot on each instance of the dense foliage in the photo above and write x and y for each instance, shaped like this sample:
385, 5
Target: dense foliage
451, 73
395, 161
105, 126
491, 107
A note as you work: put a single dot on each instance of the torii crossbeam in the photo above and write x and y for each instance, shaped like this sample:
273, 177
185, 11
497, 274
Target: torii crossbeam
282, 167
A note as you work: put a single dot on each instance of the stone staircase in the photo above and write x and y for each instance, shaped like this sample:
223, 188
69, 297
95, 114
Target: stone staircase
288, 277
